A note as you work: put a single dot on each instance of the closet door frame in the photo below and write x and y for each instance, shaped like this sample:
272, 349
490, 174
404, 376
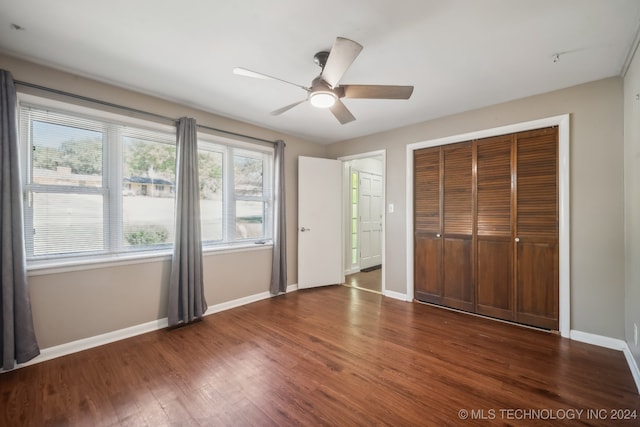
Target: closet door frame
562, 121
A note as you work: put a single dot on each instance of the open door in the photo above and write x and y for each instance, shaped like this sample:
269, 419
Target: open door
319, 222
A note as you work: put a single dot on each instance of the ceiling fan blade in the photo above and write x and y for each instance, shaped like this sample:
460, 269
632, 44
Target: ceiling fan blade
341, 112
342, 55
377, 91
254, 74
286, 108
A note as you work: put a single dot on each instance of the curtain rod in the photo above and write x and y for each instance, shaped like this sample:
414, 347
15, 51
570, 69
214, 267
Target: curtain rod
132, 110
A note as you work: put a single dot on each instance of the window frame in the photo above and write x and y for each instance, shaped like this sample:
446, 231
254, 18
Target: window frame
29, 188
114, 250
228, 147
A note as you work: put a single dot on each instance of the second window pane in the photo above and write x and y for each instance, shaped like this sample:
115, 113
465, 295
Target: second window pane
148, 189
211, 191
248, 175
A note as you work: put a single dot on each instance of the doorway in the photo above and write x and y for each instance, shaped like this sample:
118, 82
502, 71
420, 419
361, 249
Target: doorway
364, 201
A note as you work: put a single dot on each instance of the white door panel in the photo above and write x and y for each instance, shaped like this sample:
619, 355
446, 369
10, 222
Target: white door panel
319, 222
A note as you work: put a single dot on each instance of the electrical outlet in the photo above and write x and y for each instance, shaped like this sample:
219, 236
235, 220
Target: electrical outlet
635, 334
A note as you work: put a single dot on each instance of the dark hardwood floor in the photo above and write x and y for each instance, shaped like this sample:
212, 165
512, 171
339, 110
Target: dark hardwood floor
328, 356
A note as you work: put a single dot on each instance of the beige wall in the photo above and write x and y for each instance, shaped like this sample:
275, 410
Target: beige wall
632, 201
596, 153
72, 305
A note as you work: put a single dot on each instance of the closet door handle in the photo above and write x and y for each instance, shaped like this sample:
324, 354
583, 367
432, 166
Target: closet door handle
438, 235
517, 239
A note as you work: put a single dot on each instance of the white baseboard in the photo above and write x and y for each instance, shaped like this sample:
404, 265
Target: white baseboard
223, 306
633, 366
614, 344
397, 295
109, 337
599, 340
95, 341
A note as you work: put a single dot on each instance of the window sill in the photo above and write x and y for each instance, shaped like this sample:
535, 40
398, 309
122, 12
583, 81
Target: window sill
41, 268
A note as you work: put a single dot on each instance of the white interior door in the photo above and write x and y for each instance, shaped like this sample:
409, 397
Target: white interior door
319, 222
370, 219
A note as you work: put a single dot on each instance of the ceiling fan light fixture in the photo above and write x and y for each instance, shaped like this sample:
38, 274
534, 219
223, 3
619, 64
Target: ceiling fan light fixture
325, 90
322, 99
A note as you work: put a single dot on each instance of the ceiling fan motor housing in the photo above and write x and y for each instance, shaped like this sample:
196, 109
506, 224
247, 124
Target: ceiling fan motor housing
319, 85
320, 58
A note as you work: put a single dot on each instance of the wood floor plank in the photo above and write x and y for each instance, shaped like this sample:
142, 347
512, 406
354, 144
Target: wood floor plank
332, 356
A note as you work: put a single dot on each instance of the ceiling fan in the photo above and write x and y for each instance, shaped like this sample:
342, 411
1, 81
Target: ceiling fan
325, 90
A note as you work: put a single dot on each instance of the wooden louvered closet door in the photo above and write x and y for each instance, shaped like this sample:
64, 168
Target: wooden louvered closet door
428, 225
457, 230
443, 238
537, 228
486, 226
494, 285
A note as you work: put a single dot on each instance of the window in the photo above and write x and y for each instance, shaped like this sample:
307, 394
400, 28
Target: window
235, 193
354, 218
148, 179
79, 169
249, 191
95, 186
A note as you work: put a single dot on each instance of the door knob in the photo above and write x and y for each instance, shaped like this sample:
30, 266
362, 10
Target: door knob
438, 235
305, 229
517, 239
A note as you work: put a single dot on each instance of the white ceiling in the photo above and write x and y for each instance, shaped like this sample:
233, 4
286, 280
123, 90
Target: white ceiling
459, 54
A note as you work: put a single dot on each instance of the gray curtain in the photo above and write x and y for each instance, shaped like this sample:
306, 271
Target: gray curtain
186, 287
18, 343
279, 262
